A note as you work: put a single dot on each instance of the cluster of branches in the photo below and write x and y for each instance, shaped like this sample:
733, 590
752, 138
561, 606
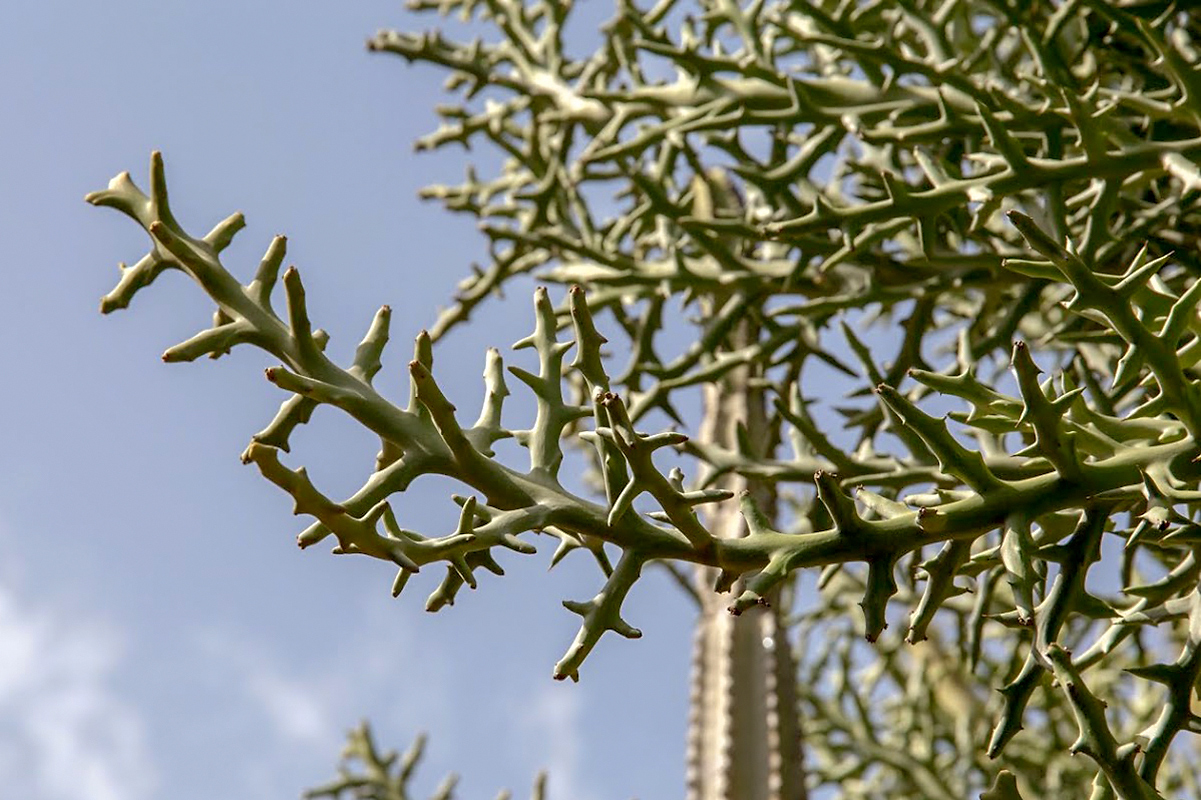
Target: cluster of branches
1018, 178
367, 773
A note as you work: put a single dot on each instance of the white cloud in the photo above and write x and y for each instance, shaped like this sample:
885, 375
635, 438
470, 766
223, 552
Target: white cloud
301, 706
65, 732
296, 712
553, 716
298, 708
291, 712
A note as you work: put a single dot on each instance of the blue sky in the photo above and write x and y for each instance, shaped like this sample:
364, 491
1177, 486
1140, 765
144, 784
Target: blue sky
160, 633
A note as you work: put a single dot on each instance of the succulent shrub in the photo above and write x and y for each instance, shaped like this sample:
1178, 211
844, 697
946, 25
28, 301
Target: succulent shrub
983, 213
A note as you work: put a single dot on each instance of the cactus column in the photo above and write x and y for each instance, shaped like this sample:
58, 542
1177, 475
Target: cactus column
743, 730
744, 739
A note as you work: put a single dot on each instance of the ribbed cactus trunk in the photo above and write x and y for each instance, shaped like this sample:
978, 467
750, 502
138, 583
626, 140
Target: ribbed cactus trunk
744, 737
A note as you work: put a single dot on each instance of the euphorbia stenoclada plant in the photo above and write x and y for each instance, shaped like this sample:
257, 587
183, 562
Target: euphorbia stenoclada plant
1002, 185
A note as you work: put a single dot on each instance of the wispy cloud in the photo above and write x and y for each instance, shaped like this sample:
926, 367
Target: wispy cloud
294, 702
301, 708
553, 717
295, 711
65, 731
